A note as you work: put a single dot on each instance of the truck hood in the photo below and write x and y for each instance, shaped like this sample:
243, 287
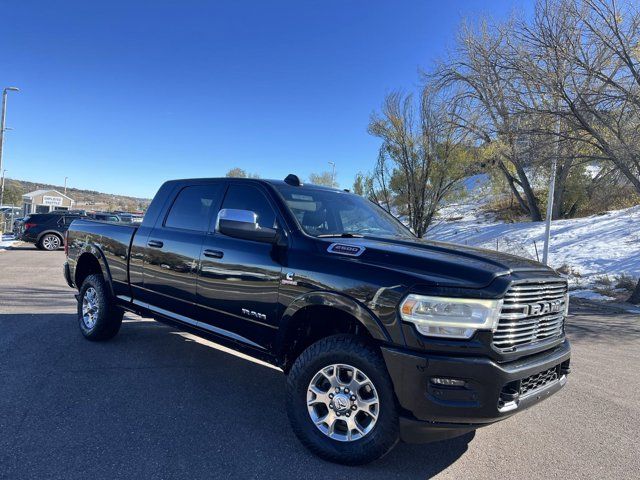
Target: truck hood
438, 263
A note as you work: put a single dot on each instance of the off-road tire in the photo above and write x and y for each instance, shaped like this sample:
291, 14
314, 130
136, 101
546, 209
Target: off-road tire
349, 350
108, 317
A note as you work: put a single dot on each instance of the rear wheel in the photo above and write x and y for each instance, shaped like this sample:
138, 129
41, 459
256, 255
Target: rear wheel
340, 401
50, 242
98, 317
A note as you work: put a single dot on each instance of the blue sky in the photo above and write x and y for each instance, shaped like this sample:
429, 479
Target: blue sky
120, 96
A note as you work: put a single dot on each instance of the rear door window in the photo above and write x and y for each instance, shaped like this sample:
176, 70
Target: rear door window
43, 219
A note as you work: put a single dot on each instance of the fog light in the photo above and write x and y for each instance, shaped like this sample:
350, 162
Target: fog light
448, 382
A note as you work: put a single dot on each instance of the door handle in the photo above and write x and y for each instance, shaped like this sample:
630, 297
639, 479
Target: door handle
155, 243
213, 253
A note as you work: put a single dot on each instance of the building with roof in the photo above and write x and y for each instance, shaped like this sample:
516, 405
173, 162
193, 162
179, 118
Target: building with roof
45, 201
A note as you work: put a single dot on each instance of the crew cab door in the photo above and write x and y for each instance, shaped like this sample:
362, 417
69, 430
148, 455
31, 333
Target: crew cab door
172, 251
238, 280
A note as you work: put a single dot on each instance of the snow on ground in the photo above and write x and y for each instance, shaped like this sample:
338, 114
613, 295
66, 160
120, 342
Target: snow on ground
590, 295
6, 241
588, 248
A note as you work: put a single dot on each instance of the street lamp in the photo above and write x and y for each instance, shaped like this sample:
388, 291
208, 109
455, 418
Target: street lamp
552, 191
3, 118
333, 172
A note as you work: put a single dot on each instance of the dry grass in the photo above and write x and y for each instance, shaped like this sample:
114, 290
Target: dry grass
626, 282
569, 271
506, 209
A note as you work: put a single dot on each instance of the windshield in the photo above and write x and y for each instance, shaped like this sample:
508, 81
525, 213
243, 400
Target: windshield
333, 213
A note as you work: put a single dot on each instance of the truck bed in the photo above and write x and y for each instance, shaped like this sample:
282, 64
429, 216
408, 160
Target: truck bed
112, 239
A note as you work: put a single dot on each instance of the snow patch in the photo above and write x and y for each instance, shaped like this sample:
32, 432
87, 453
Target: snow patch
7, 241
590, 295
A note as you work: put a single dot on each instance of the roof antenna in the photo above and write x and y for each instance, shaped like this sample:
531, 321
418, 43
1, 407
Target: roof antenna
293, 180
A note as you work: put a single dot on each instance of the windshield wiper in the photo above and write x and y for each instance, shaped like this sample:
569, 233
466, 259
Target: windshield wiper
339, 235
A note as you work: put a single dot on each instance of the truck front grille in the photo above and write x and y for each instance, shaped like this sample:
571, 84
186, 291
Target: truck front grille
531, 312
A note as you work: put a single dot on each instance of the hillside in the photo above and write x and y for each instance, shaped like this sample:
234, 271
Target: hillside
85, 199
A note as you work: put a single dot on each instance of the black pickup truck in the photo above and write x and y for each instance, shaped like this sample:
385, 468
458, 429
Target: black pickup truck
382, 336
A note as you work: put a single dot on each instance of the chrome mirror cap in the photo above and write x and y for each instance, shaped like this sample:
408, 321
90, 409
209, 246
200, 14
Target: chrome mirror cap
236, 215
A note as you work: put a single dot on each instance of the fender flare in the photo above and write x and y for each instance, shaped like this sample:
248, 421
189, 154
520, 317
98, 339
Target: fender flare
335, 300
96, 253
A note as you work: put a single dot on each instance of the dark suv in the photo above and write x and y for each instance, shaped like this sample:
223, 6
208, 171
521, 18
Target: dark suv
47, 230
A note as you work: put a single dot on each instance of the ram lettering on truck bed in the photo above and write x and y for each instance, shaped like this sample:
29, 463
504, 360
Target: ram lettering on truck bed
381, 335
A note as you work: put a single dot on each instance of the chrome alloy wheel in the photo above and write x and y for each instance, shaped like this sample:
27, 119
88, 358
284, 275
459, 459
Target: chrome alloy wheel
51, 242
343, 402
90, 308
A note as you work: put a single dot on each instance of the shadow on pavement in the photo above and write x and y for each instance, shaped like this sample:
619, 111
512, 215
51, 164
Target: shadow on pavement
24, 246
619, 327
157, 404
36, 297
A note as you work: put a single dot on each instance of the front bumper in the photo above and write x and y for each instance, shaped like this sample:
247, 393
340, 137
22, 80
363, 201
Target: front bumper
491, 391
25, 237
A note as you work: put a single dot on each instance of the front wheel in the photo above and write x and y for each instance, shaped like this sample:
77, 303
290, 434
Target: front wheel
98, 317
340, 401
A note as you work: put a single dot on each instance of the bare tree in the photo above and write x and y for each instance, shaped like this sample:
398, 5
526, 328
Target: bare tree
324, 178
588, 61
359, 184
422, 158
237, 172
493, 96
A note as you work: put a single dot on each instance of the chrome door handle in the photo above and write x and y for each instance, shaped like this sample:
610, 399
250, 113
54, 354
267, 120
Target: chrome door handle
155, 243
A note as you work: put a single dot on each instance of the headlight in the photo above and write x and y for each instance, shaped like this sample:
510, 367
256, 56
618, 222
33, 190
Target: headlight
450, 317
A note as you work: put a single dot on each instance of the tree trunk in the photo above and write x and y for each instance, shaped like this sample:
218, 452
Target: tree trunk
556, 209
532, 203
561, 183
635, 296
512, 186
572, 211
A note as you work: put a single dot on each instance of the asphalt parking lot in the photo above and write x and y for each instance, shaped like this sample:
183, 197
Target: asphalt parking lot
153, 403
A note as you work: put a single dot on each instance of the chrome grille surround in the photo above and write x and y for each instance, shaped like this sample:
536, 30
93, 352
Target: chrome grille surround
532, 311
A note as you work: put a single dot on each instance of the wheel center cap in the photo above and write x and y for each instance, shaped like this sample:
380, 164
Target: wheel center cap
341, 402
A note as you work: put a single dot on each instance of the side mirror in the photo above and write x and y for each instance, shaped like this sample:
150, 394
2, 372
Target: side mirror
244, 224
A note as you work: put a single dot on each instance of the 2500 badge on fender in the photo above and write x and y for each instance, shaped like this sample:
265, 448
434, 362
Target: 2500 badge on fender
382, 336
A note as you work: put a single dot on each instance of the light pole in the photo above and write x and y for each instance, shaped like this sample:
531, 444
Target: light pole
2, 187
333, 172
552, 190
3, 118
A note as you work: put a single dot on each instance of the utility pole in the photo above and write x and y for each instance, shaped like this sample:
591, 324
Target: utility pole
65, 185
2, 187
552, 189
333, 172
3, 118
